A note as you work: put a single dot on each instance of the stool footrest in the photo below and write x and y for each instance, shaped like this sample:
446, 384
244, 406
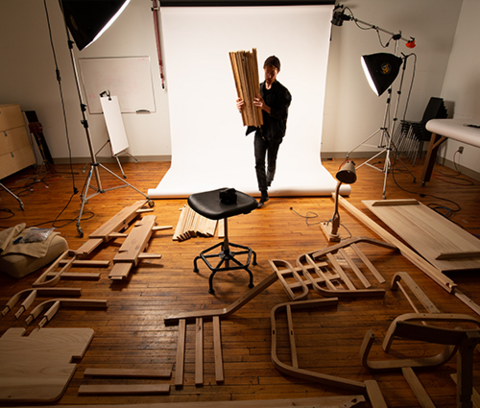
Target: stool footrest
226, 256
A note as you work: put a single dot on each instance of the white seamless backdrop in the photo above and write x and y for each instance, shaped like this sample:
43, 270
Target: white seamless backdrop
209, 146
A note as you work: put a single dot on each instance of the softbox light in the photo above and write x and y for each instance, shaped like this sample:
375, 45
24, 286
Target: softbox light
381, 70
87, 20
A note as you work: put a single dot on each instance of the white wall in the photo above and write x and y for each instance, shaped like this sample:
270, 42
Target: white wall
462, 82
352, 111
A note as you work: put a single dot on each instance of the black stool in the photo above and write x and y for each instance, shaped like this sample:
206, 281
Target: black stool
222, 204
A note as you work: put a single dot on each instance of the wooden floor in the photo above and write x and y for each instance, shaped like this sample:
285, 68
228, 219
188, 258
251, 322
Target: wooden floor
131, 332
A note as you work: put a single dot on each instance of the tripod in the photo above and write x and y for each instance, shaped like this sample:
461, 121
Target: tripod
94, 164
385, 141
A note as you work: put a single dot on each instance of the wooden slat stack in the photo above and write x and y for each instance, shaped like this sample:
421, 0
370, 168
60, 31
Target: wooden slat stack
191, 224
245, 73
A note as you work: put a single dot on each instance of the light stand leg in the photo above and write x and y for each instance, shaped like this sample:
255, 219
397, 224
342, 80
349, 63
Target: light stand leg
14, 196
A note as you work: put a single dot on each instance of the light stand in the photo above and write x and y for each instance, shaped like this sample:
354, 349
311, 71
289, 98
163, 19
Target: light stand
94, 164
386, 135
386, 78
346, 174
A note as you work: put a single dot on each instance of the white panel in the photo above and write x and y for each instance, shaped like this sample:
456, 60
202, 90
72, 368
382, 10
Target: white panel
209, 147
113, 119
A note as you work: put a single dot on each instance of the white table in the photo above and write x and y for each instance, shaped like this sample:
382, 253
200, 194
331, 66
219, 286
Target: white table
448, 128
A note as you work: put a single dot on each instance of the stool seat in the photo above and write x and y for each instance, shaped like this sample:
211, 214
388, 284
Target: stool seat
217, 205
211, 206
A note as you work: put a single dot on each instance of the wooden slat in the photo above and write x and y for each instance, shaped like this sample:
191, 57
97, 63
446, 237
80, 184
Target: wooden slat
345, 279
417, 388
291, 335
136, 241
217, 345
199, 351
355, 269
179, 366
128, 372
368, 264
118, 222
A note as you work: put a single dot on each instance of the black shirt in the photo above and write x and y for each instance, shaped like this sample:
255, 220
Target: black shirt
278, 98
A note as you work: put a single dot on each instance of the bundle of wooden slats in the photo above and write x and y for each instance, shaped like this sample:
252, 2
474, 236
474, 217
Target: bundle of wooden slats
191, 224
245, 73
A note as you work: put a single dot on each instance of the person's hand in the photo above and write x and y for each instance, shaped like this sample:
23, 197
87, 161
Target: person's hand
260, 103
240, 104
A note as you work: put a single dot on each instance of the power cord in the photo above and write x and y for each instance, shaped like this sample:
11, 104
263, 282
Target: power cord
310, 215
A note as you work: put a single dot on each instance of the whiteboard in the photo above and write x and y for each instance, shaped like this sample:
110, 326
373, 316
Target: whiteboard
129, 78
115, 125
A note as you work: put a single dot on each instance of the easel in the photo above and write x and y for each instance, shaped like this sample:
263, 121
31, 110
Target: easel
117, 136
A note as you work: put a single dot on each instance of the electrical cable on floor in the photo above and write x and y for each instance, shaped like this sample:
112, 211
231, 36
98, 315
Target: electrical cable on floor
9, 211
310, 215
315, 215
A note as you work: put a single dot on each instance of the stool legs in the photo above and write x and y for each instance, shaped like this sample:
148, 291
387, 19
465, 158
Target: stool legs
226, 256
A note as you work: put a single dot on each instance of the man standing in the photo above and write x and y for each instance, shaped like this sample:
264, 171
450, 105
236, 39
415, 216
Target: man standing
274, 100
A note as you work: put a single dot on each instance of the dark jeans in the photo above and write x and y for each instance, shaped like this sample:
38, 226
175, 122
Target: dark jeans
268, 149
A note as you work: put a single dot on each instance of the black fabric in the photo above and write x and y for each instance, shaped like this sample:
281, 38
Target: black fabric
209, 204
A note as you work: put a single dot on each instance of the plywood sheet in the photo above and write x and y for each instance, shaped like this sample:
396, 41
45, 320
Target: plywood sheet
37, 367
444, 244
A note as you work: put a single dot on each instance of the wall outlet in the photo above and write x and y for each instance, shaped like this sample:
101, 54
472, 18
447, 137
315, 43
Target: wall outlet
460, 149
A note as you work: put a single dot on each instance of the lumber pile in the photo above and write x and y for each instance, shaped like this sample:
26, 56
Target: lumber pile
191, 224
245, 73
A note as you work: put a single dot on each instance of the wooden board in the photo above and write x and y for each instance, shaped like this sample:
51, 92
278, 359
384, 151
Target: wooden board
37, 367
344, 401
444, 244
124, 389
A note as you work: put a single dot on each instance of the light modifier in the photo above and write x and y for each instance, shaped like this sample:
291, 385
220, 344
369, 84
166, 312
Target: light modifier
381, 70
88, 20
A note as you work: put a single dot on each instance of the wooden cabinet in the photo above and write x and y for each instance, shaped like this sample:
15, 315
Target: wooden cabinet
15, 150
